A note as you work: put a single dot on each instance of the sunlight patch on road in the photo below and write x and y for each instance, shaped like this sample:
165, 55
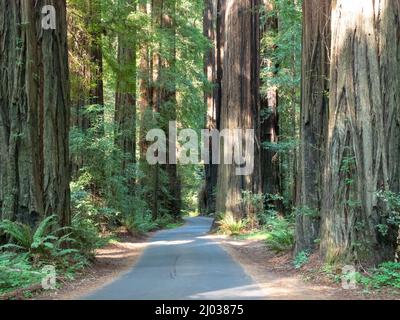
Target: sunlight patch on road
170, 243
243, 292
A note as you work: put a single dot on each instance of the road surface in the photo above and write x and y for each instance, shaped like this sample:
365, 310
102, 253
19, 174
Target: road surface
183, 264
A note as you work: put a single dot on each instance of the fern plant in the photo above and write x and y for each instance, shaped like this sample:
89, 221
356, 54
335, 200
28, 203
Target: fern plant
281, 234
229, 225
41, 243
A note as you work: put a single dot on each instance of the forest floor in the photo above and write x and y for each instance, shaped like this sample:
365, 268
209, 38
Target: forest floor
280, 280
111, 262
274, 273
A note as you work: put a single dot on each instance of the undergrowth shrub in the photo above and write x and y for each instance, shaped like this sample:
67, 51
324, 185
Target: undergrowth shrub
140, 223
301, 259
229, 225
86, 236
386, 275
16, 271
280, 233
47, 243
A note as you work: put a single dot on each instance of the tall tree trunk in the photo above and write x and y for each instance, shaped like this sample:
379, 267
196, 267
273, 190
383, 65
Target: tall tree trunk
125, 99
364, 130
168, 106
240, 100
314, 119
164, 104
270, 168
34, 113
155, 91
144, 102
211, 97
96, 52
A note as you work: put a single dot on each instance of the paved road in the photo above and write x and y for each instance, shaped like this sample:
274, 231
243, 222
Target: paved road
183, 264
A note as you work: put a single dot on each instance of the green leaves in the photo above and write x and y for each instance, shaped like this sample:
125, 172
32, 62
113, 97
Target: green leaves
20, 234
39, 237
16, 271
386, 275
45, 243
301, 259
281, 234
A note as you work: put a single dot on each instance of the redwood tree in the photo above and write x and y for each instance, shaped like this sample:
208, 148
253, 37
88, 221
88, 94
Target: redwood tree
363, 132
125, 95
270, 168
212, 99
240, 99
314, 118
34, 113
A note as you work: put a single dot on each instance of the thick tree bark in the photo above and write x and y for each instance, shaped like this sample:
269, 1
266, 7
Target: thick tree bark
364, 130
314, 119
240, 100
34, 113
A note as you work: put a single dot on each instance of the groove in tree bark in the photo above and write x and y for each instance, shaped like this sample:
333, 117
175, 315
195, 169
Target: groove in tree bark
314, 118
364, 130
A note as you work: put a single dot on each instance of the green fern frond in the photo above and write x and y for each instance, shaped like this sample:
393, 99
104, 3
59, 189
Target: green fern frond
21, 234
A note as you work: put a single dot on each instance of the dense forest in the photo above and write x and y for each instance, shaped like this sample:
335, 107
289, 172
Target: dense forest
84, 82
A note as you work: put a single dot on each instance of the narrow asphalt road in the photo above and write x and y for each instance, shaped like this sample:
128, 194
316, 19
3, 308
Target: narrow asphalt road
183, 264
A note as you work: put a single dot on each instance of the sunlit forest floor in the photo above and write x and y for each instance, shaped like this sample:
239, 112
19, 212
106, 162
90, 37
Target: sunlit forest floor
281, 280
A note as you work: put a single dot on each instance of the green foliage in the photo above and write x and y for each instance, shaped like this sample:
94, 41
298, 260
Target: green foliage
87, 205
256, 204
282, 48
392, 212
282, 147
347, 167
386, 275
48, 244
21, 234
301, 259
230, 225
86, 236
254, 200
16, 271
333, 272
270, 209
307, 212
280, 234
141, 223
40, 241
